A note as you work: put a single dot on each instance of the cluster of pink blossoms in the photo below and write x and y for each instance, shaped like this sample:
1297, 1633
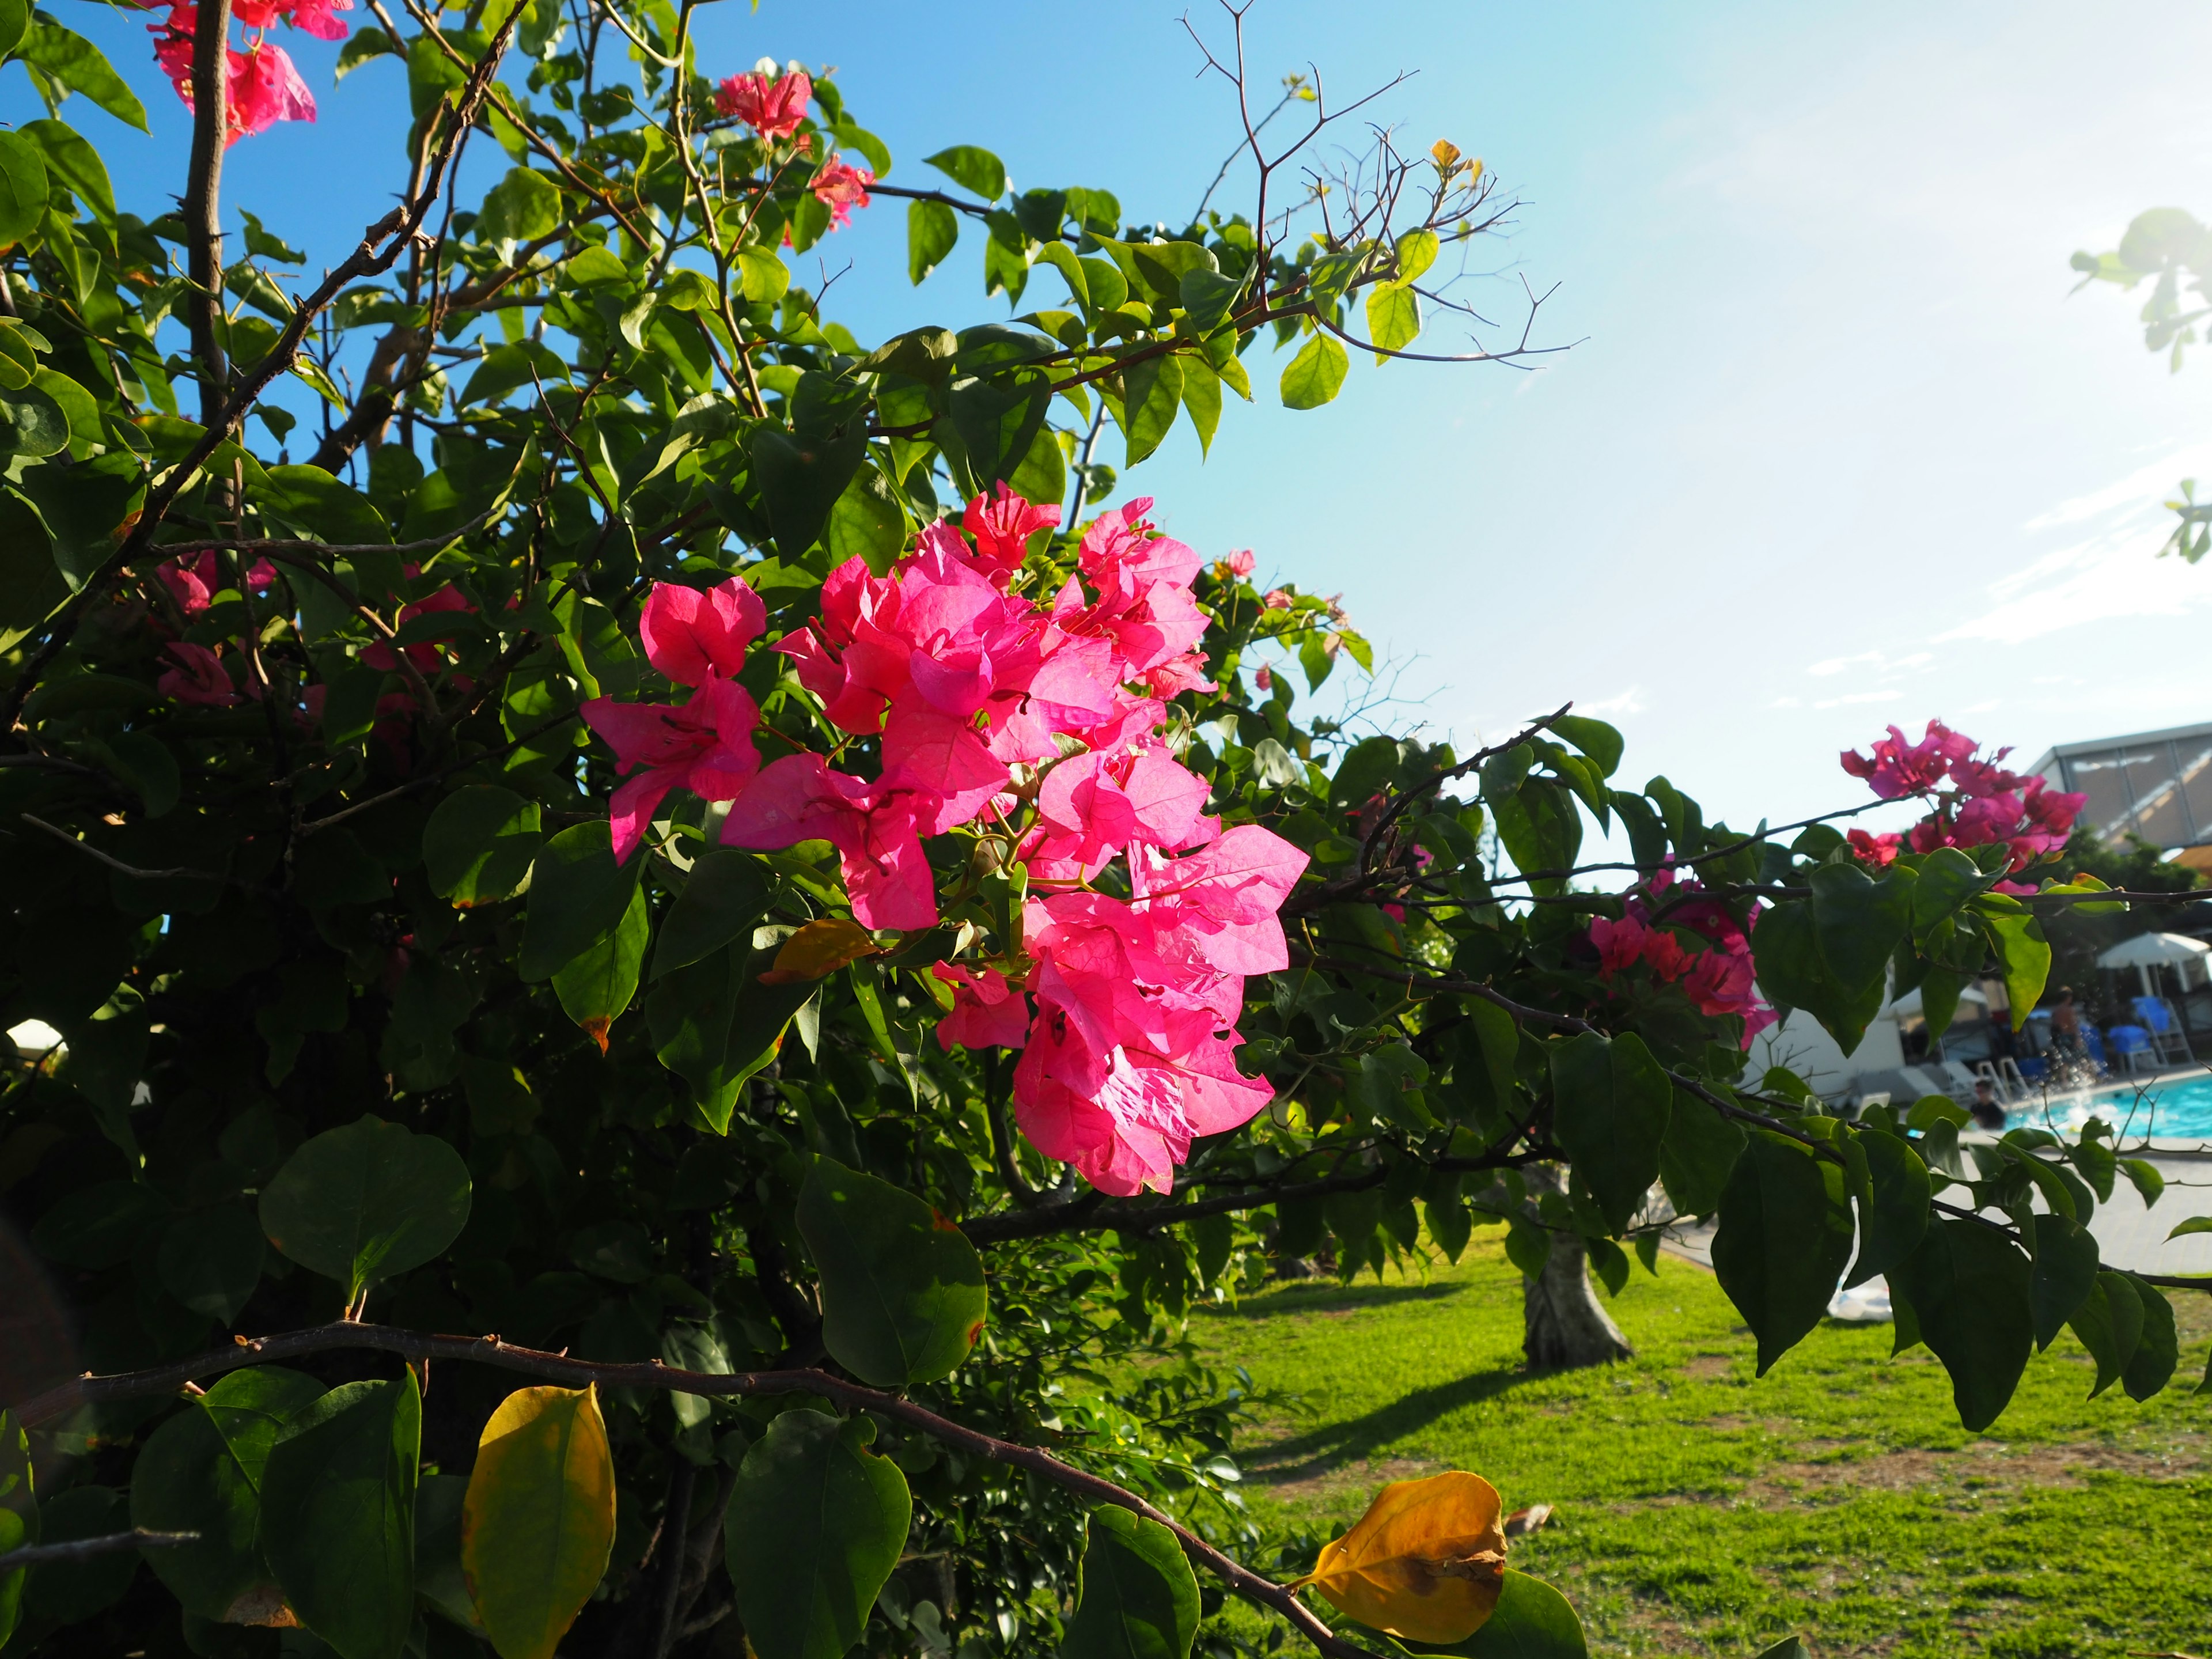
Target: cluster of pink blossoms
261, 85
773, 106
1984, 803
1040, 719
1716, 974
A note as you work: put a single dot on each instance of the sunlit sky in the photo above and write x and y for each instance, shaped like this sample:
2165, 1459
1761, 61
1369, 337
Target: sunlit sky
1833, 446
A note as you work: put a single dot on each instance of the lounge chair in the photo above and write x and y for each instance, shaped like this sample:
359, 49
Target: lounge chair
2157, 1016
1921, 1081
2131, 1048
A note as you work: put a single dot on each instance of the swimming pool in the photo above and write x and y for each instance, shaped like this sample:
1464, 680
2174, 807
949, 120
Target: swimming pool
2173, 1109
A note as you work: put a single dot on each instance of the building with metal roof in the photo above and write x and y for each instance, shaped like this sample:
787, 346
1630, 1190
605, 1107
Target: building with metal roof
2157, 785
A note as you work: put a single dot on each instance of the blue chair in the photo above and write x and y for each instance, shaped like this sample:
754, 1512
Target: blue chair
2154, 1013
2131, 1047
2034, 1067
2094, 1041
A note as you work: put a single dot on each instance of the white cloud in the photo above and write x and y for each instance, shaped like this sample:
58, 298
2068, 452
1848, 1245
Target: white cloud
2126, 498
1879, 664
1889, 695
1630, 702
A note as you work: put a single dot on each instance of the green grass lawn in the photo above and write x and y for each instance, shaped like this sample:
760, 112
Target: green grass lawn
1700, 1511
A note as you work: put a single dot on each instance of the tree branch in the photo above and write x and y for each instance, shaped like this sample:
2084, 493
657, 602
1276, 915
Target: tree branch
1261, 1592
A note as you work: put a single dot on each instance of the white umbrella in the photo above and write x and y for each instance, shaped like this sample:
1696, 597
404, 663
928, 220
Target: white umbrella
2147, 951
1908, 1005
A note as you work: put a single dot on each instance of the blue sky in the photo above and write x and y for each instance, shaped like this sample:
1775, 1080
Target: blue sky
1835, 447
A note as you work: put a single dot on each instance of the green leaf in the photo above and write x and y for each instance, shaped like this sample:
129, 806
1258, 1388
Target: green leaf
1698, 1155
1610, 1106
19, 1515
2022, 950
211, 1261
1532, 1621
1417, 252
903, 1294
99, 1225
68, 58
1786, 948
973, 169
1207, 297
32, 424
538, 1523
1136, 1597
2064, 1275
2149, 1184
800, 479
1969, 1291
362, 45
521, 208
70, 1592
2150, 1367
337, 1502
715, 1024
595, 987
765, 277
1893, 1208
578, 896
1783, 1240
1201, 395
2195, 1224
1315, 375
869, 522
1861, 918
2109, 1323
1394, 318
366, 1202
1154, 393
723, 898
1603, 744
1789, 1648
76, 164
933, 230
23, 188
816, 1523
15, 24
478, 846
201, 1471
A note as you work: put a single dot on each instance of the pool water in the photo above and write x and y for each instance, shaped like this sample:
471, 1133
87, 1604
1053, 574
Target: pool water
2173, 1109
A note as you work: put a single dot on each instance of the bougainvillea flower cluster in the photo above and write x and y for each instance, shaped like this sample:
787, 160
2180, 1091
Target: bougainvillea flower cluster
1687, 940
261, 84
1035, 719
1975, 801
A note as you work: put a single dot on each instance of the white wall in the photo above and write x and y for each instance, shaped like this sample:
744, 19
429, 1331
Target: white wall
1806, 1048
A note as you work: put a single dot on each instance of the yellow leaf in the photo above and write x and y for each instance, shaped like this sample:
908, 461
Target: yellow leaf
539, 1518
1446, 154
1426, 1563
818, 948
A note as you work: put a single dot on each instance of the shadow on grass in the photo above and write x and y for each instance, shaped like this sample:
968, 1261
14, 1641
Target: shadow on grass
1327, 1296
1317, 1451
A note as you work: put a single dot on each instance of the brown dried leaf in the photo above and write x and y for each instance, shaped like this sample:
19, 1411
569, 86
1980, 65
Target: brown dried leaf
819, 949
1426, 1562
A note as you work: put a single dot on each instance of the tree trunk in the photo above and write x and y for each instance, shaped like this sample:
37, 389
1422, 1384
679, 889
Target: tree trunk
1564, 1326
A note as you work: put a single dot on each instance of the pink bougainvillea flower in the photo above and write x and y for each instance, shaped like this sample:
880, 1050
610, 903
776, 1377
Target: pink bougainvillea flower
986, 1011
1264, 678
773, 109
264, 87
875, 827
704, 746
1877, 850
198, 677
1240, 562
1897, 767
422, 652
1276, 599
841, 187
694, 636
314, 17
1002, 524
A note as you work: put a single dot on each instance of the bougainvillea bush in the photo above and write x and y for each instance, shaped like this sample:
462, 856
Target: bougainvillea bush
650, 959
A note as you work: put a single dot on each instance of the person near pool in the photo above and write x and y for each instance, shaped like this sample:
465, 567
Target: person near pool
2066, 1024
1988, 1113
